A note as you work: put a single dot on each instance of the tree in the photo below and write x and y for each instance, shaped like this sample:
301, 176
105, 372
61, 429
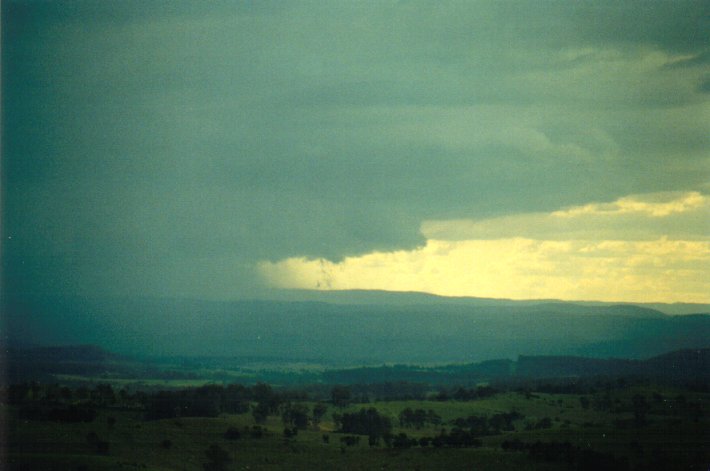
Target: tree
162, 405
366, 422
412, 418
232, 433
295, 415
584, 402
319, 410
340, 396
103, 394
260, 412
640, 407
264, 395
217, 459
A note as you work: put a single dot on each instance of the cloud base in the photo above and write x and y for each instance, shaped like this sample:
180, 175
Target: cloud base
595, 254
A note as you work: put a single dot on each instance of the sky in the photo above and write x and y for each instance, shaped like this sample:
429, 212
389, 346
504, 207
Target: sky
222, 150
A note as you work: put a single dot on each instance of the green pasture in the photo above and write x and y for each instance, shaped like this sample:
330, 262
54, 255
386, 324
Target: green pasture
181, 443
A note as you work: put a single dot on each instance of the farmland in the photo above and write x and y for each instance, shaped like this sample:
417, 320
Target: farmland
616, 425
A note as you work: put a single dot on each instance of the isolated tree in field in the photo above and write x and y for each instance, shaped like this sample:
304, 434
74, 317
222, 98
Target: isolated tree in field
319, 410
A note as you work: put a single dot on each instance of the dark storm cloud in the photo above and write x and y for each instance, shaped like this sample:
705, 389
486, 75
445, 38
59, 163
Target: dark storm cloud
167, 146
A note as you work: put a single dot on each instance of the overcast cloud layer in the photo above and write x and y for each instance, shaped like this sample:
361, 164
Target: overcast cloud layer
178, 148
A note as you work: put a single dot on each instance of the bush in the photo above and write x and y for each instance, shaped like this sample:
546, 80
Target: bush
350, 440
257, 432
217, 458
366, 422
232, 433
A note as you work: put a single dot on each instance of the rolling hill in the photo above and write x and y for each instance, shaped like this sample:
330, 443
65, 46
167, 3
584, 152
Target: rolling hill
425, 330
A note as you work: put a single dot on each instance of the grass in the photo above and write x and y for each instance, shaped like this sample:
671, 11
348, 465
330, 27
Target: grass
136, 444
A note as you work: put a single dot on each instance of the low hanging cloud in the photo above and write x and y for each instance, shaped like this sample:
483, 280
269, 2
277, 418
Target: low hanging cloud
637, 248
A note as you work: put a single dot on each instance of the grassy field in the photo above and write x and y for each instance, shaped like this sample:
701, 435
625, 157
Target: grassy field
670, 438
140, 445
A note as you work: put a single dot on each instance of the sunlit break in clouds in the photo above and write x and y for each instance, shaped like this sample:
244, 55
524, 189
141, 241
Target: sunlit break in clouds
634, 249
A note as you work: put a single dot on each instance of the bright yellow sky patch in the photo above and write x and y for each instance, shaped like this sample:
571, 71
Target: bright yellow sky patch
530, 257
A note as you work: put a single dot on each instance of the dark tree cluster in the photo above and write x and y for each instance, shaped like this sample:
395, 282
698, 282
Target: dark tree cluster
210, 401
581, 459
295, 415
493, 425
463, 394
541, 424
350, 440
392, 391
101, 395
268, 402
588, 385
58, 403
61, 413
256, 431
186, 403
418, 418
232, 433
640, 408
456, 438
51, 402
340, 396
365, 422
217, 459
363, 393
319, 410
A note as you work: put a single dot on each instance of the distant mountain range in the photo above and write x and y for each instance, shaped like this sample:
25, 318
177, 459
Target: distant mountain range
417, 298
91, 362
355, 328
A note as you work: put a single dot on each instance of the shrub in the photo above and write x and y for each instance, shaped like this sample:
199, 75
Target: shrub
232, 433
